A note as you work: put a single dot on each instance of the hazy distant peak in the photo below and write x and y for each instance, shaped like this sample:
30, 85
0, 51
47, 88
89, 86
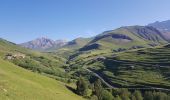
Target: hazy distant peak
43, 43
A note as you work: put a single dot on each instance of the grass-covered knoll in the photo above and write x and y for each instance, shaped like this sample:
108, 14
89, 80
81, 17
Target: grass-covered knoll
19, 84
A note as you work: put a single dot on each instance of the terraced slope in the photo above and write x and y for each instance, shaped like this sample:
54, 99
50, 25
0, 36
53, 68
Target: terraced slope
148, 67
19, 84
135, 68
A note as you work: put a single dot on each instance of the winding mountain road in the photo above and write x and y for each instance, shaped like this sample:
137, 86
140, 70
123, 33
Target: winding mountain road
112, 87
95, 74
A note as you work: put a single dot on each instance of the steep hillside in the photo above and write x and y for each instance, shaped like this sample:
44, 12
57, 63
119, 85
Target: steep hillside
164, 27
9, 47
43, 44
148, 68
19, 84
126, 38
44, 63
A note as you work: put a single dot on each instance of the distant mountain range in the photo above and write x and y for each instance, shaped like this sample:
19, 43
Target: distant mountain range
46, 44
124, 37
43, 44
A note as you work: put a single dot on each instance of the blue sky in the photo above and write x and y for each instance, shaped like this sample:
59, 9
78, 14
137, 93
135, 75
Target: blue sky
24, 20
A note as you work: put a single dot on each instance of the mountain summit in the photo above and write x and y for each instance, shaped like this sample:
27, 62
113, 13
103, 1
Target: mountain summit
43, 43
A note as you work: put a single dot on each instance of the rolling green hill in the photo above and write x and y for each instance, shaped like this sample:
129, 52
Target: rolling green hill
126, 38
121, 39
71, 47
19, 84
77, 43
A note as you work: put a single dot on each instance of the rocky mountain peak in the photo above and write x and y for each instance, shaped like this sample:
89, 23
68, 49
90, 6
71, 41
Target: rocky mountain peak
43, 43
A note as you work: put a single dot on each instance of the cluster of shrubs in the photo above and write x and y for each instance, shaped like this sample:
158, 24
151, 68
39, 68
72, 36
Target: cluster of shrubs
101, 93
29, 64
40, 65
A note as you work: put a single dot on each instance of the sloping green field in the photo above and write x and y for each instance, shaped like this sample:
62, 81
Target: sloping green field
145, 67
148, 67
19, 84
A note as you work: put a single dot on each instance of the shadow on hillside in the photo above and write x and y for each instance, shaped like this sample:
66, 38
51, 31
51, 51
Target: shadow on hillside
71, 89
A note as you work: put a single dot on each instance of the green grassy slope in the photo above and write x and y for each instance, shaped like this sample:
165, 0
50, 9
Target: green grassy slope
72, 47
150, 66
133, 68
9, 47
126, 37
77, 43
19, 84
36, 61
